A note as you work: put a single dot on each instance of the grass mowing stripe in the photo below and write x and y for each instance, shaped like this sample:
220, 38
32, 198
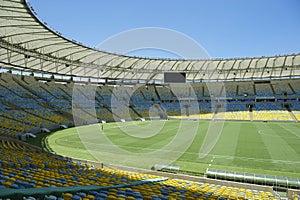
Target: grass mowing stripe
135, 144
191, 153
250, 145
295, 131
227, 142
222, 147
279, 150
290, 138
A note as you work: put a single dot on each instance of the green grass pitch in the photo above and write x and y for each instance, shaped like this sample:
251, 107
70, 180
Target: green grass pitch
255, 147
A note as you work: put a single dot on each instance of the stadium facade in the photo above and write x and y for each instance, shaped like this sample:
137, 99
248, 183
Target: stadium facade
40, 69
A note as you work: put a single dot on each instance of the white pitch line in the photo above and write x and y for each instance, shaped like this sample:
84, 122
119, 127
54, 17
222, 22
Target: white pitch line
289, 130
266, 134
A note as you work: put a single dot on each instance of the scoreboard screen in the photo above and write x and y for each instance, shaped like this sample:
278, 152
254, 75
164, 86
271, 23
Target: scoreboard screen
174, 77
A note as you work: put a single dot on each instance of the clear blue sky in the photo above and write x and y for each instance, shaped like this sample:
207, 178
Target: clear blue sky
225, 28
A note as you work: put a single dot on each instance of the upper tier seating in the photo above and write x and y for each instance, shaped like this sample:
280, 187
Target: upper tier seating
28, 104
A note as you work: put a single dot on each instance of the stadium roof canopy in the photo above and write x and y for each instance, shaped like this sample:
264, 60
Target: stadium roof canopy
27, 44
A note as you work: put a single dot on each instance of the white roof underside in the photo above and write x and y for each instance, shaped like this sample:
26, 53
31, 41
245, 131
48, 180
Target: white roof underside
27, 44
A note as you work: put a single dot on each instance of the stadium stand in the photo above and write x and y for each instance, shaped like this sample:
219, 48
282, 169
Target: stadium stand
23, 166
33, 104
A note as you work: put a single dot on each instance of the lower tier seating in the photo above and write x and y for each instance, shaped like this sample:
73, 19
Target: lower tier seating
29, 172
